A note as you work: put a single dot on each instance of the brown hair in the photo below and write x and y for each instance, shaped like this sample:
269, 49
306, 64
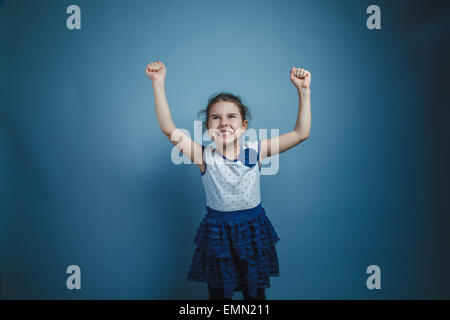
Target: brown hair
228, 97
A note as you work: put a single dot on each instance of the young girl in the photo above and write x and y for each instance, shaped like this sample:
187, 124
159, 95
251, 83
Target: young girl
235, 242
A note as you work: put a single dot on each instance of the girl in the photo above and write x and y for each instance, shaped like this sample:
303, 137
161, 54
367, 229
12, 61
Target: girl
235, 242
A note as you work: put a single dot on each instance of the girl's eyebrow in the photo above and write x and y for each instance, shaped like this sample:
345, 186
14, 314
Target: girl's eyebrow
214, 114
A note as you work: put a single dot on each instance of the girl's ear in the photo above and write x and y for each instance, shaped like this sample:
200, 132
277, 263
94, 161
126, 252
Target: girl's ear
245, 124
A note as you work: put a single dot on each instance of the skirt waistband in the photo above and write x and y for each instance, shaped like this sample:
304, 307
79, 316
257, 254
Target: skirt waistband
230, 215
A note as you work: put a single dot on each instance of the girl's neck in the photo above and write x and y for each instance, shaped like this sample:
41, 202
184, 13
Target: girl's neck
230, 151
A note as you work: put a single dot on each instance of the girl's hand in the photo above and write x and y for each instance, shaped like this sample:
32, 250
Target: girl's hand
156, 71
300, 78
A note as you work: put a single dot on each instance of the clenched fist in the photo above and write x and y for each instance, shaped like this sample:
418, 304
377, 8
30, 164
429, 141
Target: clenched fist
156, 71
300, 78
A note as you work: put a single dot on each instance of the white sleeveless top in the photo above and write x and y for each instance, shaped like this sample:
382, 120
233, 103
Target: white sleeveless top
232, 185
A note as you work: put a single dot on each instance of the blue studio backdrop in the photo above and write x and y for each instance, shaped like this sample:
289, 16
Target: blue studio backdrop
86, 176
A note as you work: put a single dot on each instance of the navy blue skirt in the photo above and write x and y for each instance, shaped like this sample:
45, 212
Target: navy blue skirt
235, 249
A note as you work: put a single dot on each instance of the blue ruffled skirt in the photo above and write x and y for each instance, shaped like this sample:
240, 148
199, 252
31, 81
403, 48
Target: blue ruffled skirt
235, 249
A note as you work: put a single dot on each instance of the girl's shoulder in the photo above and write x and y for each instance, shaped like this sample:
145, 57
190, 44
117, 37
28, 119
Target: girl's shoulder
207, 150
252, 145
251, 154
208, 147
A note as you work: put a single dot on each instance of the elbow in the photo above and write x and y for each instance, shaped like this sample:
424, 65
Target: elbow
305, 134
168, 133
302, 137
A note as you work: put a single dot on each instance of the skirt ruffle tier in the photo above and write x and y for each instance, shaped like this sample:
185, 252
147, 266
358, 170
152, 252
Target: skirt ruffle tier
235, 249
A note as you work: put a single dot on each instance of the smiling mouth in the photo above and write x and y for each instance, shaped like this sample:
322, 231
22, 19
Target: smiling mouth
225, 133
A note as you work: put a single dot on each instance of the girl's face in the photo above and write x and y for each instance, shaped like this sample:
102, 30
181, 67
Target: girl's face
225, 124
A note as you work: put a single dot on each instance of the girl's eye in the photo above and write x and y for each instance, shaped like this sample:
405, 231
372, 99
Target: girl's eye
232, 116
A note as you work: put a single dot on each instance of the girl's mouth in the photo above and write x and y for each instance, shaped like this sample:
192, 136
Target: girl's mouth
225, 133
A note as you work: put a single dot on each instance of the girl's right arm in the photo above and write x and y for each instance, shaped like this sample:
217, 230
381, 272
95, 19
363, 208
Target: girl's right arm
156, 71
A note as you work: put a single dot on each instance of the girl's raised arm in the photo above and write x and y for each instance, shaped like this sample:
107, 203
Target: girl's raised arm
269, 147
156, 71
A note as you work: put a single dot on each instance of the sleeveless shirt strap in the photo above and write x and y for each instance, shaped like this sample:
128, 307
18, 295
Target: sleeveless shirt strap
203, 157
257, 157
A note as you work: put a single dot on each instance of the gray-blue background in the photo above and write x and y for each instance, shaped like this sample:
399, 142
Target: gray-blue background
86, 176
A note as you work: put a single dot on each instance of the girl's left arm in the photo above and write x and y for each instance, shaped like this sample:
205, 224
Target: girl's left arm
269, 147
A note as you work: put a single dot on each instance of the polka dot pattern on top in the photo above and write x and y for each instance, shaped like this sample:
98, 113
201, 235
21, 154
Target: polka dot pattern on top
232, 185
